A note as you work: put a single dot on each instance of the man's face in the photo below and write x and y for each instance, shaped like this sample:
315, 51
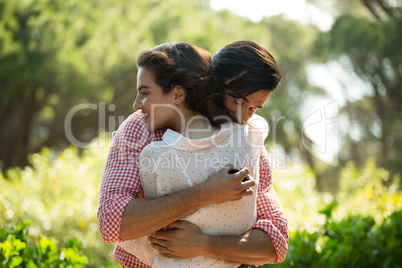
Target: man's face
244, 108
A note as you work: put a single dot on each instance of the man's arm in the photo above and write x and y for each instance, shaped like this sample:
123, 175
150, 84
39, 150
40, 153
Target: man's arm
270, 215
251, 247
185, 240
143, 216
120, 180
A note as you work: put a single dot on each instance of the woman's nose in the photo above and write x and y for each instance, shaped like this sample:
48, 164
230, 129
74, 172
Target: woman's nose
137, 104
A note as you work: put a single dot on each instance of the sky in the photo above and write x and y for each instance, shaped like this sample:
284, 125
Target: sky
255, 10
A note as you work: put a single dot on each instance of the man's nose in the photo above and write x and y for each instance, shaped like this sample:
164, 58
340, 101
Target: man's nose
244, 117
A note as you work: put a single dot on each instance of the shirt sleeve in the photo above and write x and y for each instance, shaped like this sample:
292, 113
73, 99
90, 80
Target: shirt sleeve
120, 181
270, 215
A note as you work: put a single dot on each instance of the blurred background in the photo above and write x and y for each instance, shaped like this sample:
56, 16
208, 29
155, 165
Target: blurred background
68, 79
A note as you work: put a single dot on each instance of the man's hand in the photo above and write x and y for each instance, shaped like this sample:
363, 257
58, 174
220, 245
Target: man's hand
143, 216
180, 239
222, 186
185, 240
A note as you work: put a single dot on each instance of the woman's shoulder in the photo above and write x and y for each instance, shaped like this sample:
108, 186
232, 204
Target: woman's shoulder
155, 149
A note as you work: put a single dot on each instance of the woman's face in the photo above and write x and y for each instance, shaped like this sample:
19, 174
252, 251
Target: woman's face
244, 108
158, 108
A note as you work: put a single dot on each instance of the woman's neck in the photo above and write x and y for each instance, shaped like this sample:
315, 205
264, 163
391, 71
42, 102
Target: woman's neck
199, 128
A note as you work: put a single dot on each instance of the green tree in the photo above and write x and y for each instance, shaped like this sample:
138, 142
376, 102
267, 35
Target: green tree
292, 45
368, 43
56, 55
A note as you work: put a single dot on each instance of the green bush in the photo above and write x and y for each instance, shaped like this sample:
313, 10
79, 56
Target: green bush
17, 251
355, 241
367, 191
58, 193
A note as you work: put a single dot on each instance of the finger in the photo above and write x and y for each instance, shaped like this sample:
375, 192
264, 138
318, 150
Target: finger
176, 225
247, 192
162, 235
248, 183
158, 242
242, 175
240, 196
238, 173
160, 248
228, 167
244, 171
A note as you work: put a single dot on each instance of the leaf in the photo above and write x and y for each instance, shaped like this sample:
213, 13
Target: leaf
327, 211
31, 264
15, 261
73, 243
73, 257
3, 235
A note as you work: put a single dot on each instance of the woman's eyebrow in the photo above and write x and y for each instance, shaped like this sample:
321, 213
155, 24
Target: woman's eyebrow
142, 87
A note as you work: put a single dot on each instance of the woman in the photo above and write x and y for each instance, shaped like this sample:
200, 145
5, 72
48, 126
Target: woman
124, 215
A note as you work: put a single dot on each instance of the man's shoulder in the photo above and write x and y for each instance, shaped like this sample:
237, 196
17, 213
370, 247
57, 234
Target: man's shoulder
133, 131
133, 124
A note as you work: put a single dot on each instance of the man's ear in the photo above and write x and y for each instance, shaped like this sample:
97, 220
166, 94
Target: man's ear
179, 94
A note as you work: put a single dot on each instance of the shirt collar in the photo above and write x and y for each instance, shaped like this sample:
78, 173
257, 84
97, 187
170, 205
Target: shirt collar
179, 142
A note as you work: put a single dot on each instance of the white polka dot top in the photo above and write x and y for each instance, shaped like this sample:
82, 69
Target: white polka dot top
177, 163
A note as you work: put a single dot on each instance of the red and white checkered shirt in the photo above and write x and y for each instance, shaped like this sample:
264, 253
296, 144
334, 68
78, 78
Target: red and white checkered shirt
121, 183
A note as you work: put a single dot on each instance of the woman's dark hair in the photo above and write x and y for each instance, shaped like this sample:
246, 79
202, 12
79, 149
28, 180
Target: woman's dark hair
188, 66
246, 67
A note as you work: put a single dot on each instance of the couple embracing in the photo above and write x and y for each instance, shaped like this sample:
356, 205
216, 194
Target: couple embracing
187, 181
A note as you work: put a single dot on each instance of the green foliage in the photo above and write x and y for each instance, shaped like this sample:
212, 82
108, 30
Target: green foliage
358, 226
371, 48
368, 191
302, 253
327, 211
58, 193
352, 242
59, 54
17, 251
